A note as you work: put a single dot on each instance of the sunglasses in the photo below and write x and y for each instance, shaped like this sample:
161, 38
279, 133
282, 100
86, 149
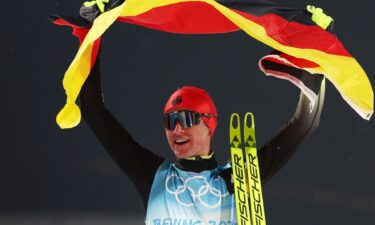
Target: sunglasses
185, 118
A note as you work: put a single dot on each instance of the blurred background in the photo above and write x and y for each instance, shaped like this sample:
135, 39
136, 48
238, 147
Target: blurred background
54, 176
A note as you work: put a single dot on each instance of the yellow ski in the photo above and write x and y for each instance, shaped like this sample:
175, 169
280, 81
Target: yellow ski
253, 173
239, 172
246, 175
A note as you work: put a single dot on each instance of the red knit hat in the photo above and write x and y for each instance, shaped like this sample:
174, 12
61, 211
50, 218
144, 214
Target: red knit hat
194, 99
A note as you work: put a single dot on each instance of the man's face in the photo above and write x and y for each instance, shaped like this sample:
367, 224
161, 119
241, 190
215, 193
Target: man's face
189, 142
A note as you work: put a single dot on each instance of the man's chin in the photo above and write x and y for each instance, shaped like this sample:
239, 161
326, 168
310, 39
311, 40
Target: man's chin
181, 154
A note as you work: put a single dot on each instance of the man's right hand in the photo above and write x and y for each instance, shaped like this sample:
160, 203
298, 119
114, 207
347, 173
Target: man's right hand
98, 3
92, 9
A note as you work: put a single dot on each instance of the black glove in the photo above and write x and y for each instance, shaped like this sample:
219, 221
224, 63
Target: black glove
92, 9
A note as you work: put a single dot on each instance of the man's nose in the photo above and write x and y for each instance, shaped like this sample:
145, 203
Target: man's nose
178, 128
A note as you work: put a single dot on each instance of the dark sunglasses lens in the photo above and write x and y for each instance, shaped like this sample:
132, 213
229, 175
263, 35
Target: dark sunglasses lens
169, 121
185, 118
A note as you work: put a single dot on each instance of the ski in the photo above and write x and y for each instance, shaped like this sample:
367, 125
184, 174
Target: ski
239, 172
246, 175
253, 172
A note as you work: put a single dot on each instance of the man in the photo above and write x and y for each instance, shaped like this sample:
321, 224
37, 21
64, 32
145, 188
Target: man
193, 189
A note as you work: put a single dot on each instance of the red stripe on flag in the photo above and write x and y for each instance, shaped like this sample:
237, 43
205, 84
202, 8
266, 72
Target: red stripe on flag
184, 18
299, 62
298, 35
202, 18
79, 32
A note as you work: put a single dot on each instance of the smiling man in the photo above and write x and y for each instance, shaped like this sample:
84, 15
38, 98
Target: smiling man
193, 189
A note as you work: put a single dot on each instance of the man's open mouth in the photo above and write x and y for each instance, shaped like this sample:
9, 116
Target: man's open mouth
181, 141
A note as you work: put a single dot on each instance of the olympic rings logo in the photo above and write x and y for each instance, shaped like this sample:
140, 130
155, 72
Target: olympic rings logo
185, 188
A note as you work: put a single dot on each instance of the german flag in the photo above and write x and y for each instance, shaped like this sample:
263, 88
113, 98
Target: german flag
304, 52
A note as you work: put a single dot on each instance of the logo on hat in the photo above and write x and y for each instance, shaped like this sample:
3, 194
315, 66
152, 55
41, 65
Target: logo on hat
176, 101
